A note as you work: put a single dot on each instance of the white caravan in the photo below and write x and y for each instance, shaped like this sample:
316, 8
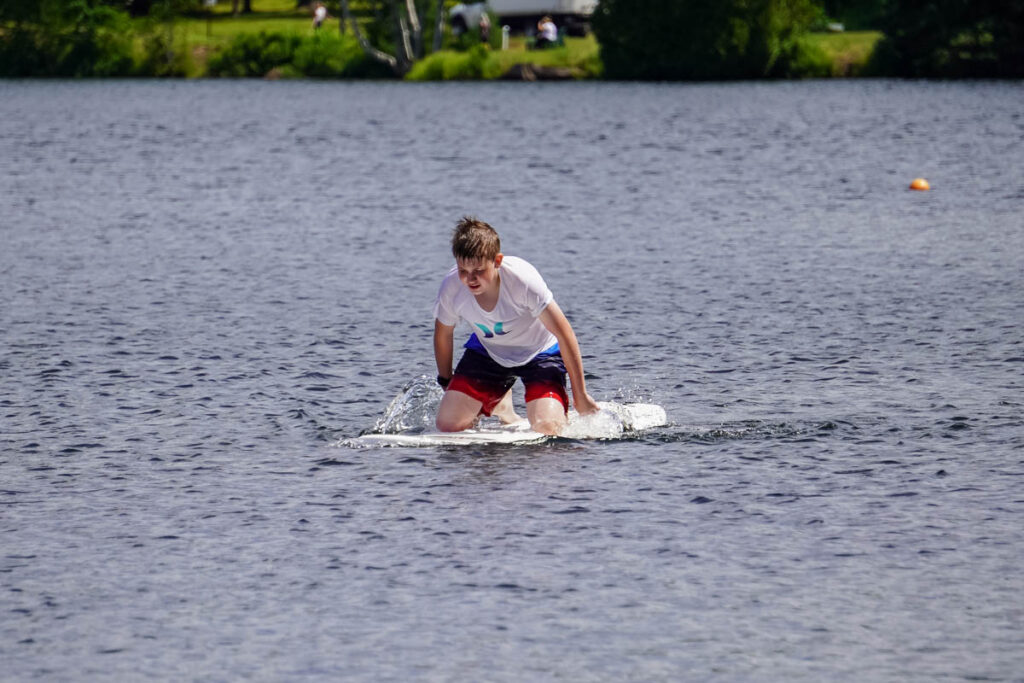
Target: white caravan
522, 15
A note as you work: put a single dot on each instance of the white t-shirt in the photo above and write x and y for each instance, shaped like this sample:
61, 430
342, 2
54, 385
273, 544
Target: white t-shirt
548, 31
511, 333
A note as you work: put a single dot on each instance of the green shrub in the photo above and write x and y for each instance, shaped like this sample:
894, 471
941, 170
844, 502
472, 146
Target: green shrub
159, 56
330, 55
805, 60
254, 54
289, 55
68, 39
475, 64
429, 69
322, 56
89, 41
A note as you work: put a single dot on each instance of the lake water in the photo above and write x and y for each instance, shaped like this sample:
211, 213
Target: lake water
208, 285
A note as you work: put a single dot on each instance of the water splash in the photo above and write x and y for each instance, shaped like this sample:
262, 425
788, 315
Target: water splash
409, 421
412, 410
604, 424
614, 421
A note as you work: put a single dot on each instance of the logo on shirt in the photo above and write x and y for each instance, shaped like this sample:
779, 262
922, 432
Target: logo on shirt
487, 332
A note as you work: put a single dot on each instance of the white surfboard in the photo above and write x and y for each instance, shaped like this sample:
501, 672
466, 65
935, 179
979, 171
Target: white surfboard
612, 422
511, 434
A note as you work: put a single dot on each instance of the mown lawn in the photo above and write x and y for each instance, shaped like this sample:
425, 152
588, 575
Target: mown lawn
580, 53
219, 27
849, 52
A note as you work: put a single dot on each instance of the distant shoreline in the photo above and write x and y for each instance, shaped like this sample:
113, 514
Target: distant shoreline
279, 42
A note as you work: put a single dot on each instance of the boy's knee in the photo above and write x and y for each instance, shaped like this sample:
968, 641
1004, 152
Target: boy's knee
445, 425
550, 427
448, 424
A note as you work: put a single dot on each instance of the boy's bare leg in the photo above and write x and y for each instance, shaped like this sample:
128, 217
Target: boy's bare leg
546, 415
458, 411
505, 411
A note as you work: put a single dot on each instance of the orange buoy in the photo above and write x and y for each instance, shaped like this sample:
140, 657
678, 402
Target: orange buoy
920, 184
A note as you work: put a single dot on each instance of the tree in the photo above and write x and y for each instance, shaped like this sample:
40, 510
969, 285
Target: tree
395, 37
856, 15
952, 38
700, 39
69, 38
18, 11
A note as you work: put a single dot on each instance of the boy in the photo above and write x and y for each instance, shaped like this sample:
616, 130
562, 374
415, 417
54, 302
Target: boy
523, 333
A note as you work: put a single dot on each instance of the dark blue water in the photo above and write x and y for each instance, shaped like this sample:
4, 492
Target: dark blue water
207, 285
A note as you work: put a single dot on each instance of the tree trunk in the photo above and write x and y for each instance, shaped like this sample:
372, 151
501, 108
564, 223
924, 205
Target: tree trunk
370, 50
417, 30
439, 25
404, 47
408, 35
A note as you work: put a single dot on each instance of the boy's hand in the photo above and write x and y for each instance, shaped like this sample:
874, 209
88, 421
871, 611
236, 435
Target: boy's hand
584, 404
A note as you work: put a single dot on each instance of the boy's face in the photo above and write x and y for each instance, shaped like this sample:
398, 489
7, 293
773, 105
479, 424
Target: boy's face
480, 275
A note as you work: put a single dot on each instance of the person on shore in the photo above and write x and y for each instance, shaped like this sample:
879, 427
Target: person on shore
319, 15
522, 333
547, 33
485, 28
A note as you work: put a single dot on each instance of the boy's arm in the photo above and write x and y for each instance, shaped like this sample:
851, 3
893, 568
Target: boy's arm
444, 346
558, 325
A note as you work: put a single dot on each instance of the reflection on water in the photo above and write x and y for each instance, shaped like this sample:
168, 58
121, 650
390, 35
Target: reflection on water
206, 285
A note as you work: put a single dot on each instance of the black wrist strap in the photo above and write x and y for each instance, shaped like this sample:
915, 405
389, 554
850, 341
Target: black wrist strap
443, 381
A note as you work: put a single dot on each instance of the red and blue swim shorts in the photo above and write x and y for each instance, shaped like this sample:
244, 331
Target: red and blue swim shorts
479, 376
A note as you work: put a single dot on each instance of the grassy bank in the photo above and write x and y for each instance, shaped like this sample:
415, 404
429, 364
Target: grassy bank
219, 27
848, 53
202, 36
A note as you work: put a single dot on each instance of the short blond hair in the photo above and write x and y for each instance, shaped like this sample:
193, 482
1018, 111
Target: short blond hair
474, 240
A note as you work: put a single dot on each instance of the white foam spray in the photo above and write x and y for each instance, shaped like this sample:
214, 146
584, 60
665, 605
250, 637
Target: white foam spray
413, 409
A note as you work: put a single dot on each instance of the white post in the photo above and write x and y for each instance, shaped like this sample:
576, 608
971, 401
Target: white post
505, 30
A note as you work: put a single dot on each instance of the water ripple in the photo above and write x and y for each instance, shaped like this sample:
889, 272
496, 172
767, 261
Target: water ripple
206, 285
